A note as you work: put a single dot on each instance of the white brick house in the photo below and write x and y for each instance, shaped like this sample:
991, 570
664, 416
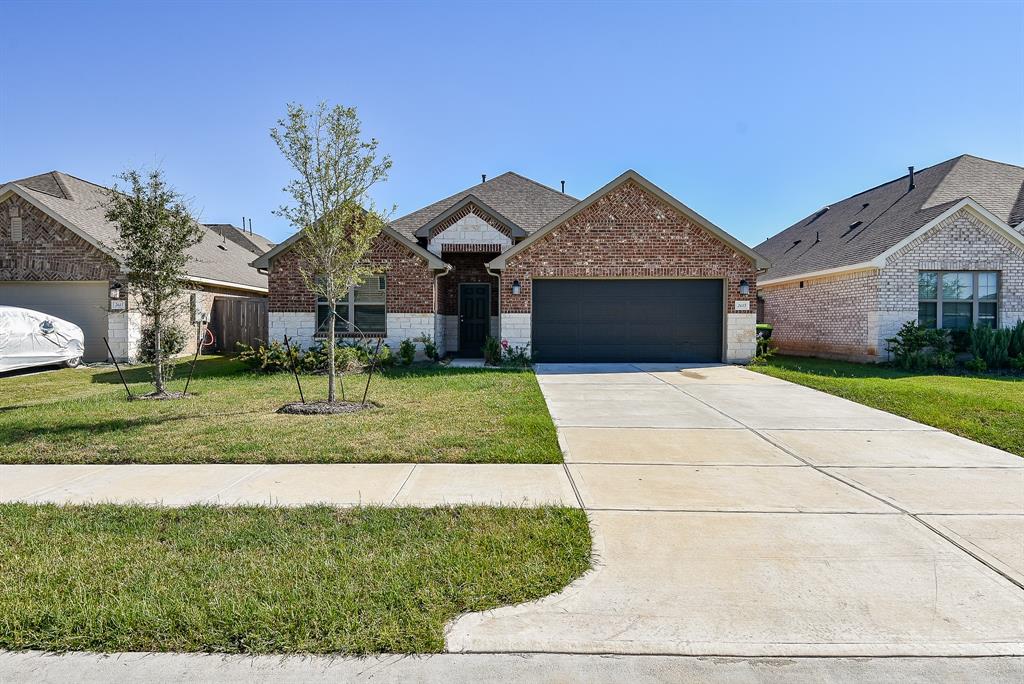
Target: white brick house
942, 246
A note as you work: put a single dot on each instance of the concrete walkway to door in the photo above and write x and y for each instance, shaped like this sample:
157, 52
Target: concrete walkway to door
735, 514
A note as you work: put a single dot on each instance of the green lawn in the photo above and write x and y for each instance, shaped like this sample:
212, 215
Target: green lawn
427, 414
271, 580
987, 409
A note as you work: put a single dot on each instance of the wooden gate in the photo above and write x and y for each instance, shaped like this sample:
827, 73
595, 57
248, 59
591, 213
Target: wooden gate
236, 319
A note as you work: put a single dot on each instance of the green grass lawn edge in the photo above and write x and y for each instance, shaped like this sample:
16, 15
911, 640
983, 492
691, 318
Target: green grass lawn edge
428, 414
261, 580
988, 409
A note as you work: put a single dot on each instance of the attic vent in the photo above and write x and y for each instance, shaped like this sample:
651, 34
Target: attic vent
796, 242
222, 247
854, 225
16, 233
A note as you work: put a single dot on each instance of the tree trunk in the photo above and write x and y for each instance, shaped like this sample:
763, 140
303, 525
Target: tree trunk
158, 354
332, 320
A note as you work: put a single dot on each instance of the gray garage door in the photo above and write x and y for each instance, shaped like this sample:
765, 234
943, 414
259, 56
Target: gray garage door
82, 303
676, 321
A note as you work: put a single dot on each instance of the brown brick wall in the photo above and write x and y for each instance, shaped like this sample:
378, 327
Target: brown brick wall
410, 281
628, 233
467, 268
828, 316
47, 250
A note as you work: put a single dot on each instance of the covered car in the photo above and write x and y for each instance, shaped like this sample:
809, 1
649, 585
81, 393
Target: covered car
32, 338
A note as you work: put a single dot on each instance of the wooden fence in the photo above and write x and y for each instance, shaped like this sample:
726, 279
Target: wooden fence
235, 320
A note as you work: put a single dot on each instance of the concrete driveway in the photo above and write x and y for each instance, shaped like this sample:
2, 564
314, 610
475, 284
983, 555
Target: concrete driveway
735, 514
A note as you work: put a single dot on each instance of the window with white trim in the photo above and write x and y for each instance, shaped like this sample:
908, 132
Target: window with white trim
363, 311
957, 300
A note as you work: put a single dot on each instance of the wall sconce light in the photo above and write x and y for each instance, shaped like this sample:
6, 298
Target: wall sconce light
744, 287
115, 290
516, 287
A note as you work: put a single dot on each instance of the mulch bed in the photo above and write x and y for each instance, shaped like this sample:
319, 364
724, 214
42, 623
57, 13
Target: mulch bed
165, 396
325, 408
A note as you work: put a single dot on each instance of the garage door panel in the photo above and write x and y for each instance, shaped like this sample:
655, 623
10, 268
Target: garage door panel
81, 303
627, 320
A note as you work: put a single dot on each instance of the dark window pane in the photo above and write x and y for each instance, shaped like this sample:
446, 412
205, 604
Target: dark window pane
987, 314
957, 315
927, 285
988, 285
926, 314
957, 286
370, 319
322, 310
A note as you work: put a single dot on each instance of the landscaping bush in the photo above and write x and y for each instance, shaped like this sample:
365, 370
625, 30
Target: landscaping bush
1017, 340
348, 357
976, 365
407, 352
991, 345
492, 352
919, 348
517, 357
172, 341
429, 348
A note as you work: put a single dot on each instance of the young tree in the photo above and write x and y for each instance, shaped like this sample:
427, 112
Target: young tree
335, 169
156, 229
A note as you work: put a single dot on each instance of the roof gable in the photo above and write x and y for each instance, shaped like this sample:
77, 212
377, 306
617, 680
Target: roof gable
632, 176
855, 230
469, 202
521, 201
263, 261
80, 206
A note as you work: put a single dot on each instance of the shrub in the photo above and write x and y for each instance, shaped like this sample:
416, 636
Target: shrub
991, 345
919, 348
1017, 363
172, 340
766, 349
407, 352
1017, 339
429, 348
976, 365
518, 357
492, 351
272, 359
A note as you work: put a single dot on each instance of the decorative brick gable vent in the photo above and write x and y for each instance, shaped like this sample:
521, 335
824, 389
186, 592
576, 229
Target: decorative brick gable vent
16, 231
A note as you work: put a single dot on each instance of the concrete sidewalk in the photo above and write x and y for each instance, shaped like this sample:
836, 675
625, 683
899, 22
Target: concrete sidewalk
736, 514
160, 668
290, 485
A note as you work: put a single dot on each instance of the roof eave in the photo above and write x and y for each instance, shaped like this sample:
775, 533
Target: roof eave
433, 261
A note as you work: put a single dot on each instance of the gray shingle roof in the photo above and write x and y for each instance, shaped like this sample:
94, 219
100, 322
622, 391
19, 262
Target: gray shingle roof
859, 228
526, 202
81, 204
254, 242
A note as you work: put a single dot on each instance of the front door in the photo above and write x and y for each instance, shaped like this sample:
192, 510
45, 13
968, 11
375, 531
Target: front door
474, 317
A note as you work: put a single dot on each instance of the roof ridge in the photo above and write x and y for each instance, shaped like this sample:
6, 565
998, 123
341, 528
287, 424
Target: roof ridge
537, 183
990, 161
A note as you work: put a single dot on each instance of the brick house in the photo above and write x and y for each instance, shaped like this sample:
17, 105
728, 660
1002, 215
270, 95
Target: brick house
57, 255
626, 274
942, 246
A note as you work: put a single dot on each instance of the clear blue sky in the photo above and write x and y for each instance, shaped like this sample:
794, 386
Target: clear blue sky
753, 114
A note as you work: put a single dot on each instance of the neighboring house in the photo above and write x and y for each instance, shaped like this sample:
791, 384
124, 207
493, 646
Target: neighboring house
58, 255
254, 242
942, 246
627, 274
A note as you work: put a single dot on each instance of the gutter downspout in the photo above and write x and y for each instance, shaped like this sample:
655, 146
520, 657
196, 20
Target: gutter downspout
448, 268
498, 276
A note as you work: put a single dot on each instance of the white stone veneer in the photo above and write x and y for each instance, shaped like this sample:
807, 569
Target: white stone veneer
298, 326
516, 328
124, 333
469, 230
740, 337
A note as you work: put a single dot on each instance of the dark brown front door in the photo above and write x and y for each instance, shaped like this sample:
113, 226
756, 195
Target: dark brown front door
474, 317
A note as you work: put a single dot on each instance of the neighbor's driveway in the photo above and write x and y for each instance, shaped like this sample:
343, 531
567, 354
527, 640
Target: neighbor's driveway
738, 514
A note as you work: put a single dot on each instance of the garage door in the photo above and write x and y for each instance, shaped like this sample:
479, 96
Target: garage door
82, 303
627, 320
